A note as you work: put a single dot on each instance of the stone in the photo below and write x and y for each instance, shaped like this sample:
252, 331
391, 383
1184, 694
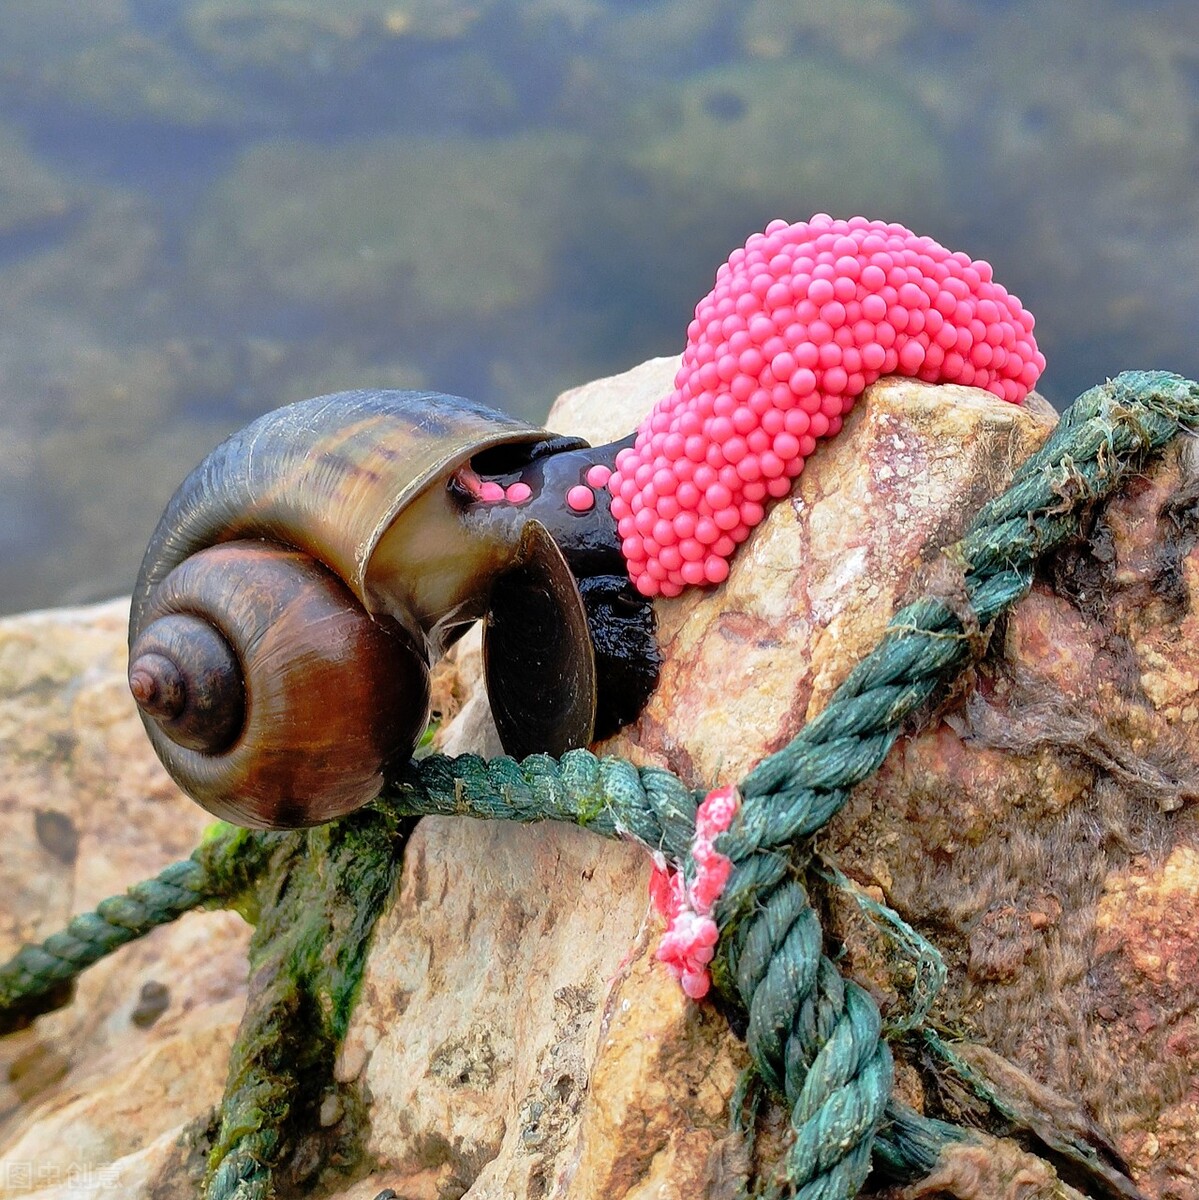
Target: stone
775, 30
816, 583
99, 61
32, 197
95, 1096
515, 1036
294, 38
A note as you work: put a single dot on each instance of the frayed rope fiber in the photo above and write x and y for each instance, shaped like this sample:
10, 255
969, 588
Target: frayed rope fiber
815, 1038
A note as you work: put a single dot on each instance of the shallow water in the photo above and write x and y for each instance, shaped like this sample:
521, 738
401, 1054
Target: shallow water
212, 207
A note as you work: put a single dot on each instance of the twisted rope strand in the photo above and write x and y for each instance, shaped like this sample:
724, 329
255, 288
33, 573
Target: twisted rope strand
797, 1017
609, 795
39, 978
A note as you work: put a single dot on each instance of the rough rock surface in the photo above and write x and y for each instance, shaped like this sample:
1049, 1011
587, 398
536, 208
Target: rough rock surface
514, 1036
95, 1096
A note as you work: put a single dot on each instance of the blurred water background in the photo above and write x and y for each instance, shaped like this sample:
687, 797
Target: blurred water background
212, 207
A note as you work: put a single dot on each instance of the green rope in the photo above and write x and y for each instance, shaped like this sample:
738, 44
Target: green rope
612, 797
928, 967
40, 978
815, 1038
809, 1032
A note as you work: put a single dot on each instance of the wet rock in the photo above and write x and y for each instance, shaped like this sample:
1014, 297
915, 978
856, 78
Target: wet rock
98, 61
102, 272
864, 33
139, 77
295, 38
514, 1035
760, 136
32, 196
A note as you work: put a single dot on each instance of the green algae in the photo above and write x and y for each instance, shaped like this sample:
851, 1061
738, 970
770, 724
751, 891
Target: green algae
316, 911
766, 136
443, 230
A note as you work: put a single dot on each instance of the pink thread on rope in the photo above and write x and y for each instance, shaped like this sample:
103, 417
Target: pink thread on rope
801, 320
689, 943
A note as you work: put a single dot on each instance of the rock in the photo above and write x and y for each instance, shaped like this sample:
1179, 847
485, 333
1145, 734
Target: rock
99, 62
817, 582
141, 78
1045, 829
84, 812
32, 196
294, 38
658, 1086
305, 68
867, 34
514, 1035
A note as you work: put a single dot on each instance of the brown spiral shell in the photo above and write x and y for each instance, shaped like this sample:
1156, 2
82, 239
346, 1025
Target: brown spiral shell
300, 583
313, 703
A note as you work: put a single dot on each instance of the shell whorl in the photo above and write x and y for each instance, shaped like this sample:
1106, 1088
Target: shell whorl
188, 679
326, 476
286, 703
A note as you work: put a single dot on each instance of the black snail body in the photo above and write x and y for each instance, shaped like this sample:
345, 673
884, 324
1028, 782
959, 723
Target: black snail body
307, 574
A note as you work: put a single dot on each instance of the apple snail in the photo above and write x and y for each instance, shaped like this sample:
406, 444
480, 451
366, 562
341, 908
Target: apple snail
308, 573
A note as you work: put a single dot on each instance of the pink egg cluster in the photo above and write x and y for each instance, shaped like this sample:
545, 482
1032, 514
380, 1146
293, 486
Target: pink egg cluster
689, 943
801, 320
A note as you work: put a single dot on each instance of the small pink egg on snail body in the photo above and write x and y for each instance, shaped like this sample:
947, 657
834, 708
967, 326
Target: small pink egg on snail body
801, 320
581, 498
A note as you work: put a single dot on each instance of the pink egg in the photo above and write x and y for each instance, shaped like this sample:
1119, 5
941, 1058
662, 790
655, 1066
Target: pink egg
581, 498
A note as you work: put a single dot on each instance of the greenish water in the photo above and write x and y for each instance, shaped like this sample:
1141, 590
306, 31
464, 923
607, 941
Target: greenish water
212, 207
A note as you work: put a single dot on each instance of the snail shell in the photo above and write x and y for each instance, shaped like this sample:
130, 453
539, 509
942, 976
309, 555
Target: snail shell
307, 573
327, 476
285, 703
